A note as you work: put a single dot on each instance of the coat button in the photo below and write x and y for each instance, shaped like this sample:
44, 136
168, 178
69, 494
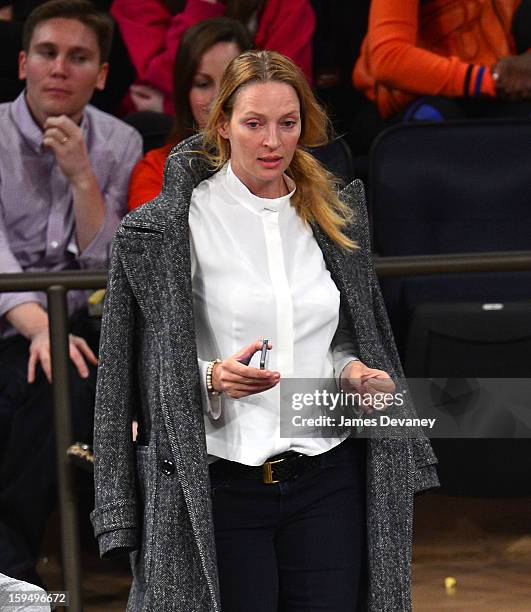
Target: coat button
167, 467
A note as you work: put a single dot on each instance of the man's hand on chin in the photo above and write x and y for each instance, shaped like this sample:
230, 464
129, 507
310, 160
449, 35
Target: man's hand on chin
66, 140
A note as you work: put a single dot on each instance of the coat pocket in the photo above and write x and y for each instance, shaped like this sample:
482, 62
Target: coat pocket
147, 492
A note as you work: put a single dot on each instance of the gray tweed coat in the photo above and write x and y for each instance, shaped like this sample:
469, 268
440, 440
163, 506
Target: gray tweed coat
154, 500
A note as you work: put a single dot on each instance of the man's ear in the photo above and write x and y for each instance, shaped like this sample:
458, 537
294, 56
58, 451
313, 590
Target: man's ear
22, 61
102, 76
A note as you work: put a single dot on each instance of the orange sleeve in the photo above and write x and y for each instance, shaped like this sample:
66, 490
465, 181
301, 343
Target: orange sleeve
146, 178
398, 63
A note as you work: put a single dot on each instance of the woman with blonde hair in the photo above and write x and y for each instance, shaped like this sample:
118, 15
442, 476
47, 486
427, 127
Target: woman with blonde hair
250, 251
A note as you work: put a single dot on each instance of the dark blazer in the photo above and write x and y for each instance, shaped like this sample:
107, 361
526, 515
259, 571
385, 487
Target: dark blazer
154, 500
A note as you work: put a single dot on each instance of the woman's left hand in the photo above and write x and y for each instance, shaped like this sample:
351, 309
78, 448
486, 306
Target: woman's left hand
358, 378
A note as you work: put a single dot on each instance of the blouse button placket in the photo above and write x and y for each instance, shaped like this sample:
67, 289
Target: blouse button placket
282, 290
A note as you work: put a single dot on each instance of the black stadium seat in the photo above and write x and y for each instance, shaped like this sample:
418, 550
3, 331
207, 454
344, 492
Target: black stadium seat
456, 188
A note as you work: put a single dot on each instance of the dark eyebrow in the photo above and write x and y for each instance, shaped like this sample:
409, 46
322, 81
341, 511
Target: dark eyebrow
84, 50
44, 45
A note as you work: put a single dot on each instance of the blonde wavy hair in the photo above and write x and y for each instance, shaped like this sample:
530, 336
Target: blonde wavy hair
315, 199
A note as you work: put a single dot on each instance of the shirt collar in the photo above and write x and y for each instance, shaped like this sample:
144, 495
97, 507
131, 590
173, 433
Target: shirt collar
252, 202
29, 128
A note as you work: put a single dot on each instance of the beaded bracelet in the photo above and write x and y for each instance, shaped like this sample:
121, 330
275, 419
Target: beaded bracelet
210, 367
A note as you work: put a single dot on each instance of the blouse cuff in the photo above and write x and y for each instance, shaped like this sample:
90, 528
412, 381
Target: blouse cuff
340, 365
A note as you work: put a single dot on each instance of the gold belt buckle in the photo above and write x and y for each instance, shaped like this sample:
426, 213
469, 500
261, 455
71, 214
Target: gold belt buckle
268, 472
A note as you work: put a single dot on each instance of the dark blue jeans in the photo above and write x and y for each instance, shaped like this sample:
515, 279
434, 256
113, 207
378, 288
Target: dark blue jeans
296, 546
28, 479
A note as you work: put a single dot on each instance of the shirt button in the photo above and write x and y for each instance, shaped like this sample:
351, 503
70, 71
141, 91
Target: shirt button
167, 467
54, 244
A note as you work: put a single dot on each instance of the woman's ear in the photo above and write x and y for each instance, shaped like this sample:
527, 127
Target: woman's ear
223, 127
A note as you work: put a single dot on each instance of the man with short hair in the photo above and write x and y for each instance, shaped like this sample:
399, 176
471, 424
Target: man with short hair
64, 173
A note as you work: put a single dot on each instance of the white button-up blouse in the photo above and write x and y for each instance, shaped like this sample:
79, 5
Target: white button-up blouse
257, 272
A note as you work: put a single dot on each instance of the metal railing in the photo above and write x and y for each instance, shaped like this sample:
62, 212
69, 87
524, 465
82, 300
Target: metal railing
57, 284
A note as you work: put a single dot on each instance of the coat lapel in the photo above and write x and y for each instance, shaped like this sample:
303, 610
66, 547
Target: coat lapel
344, 270
140, 248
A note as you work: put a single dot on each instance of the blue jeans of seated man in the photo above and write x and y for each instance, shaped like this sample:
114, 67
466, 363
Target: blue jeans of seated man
295, 546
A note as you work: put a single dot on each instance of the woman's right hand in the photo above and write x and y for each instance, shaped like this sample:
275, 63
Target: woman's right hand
237, 380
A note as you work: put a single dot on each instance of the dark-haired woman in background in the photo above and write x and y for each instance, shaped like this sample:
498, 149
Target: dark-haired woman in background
205, 51
153, 31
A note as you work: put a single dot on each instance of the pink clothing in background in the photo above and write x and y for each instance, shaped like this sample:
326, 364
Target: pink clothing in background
152, 35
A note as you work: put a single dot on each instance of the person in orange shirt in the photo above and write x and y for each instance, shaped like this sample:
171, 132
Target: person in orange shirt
205, 51
451, 51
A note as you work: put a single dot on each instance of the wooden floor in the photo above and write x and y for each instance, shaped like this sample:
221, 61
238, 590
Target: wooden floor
483, 544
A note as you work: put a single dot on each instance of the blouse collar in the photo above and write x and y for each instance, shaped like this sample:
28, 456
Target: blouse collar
252, 202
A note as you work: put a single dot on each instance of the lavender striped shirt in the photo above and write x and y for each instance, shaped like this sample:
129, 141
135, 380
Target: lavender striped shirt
36, 210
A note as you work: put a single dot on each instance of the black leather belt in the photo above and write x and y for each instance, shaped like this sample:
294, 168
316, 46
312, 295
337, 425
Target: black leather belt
279, 468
